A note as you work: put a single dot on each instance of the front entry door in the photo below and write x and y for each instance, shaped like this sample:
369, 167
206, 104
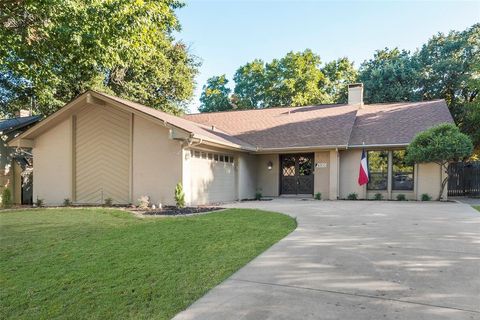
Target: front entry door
296, 173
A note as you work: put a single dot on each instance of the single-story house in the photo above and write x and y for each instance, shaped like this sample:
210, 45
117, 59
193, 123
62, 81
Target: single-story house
100, 146
13, 164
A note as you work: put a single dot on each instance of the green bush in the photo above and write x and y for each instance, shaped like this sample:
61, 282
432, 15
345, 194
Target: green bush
318, 196
179, 196
67, 202
426, 197
352, 196
39, 202
401, 197
7, 198
258, 195
378, 196
108, 202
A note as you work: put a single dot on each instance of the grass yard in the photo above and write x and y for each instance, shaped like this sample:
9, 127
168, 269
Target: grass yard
476, 207
107, 264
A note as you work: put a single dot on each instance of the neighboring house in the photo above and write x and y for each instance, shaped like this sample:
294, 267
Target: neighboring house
99, 146
12, 164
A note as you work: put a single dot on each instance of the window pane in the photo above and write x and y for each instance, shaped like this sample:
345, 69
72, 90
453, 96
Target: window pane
215, 157
197, 154
221, 158
378, 169
402, 173
231, 159
210, 156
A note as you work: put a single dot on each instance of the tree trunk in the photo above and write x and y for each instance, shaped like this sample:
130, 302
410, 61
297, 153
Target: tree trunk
444, 181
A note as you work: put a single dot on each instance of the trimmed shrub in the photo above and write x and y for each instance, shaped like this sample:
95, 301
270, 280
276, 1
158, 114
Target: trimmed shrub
144, 202
352, 196
108, 202
258, 195
426, 197
378, 196
179, 196
7, 198
39, 202
67, 202
318, 196
401, 197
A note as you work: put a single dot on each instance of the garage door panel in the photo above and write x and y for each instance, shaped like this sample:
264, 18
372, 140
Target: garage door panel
102, 155
212, 181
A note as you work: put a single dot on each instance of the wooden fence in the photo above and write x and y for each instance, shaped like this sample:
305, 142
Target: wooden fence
464, 179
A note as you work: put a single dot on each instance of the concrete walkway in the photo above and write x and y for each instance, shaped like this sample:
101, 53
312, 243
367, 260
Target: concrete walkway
358, 260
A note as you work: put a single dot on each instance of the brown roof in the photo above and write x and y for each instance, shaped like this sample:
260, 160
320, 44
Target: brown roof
328, 125
397, 123
325, 125
320, 126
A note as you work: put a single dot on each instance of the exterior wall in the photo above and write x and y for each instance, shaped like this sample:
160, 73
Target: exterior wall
268, 180
349, 166
247, 176
322, 175
428, 180
52, 172
102, 150
157, 162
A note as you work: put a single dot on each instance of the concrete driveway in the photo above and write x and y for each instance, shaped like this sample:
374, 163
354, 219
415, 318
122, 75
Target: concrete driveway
358, 260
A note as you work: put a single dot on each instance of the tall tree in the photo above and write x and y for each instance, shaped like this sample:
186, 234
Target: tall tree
215, 95
339, 73
52, 50
295, 80
449, 67
249, 92
390, 76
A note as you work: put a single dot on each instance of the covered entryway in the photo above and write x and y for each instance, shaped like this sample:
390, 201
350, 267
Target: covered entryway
296, 174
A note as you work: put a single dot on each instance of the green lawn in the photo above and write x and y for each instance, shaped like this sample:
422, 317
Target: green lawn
107, 264
476, 207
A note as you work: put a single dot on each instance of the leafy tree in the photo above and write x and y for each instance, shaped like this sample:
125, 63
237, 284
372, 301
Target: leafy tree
249, 92
339, 74
390, 76
215, 95
52, 50
440, 144
449, 68
294, 80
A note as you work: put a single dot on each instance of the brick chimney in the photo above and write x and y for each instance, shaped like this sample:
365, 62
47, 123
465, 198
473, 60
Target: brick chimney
23, 113
355, 94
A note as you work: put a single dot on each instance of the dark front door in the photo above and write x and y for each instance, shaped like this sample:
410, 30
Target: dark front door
296, 175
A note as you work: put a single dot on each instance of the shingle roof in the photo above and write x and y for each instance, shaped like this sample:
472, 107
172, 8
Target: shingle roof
8, 125
329, 125
324, 125
397, 123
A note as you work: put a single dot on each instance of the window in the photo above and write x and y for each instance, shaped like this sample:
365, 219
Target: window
402, 173
215, 157
378, 169
197, 154
210, 156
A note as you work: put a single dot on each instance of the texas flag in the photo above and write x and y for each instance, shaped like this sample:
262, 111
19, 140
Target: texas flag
363, 173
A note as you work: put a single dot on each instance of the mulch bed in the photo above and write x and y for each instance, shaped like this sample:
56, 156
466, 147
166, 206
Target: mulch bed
174, 211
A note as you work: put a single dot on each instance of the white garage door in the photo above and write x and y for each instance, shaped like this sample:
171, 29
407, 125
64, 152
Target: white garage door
212, 177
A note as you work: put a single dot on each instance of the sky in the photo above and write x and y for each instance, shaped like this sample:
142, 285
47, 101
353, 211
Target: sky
227, 34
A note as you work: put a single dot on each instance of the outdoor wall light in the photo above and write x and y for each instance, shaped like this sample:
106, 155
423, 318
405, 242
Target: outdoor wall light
270, 165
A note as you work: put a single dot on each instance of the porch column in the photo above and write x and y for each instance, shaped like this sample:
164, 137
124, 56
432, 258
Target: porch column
334, 174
